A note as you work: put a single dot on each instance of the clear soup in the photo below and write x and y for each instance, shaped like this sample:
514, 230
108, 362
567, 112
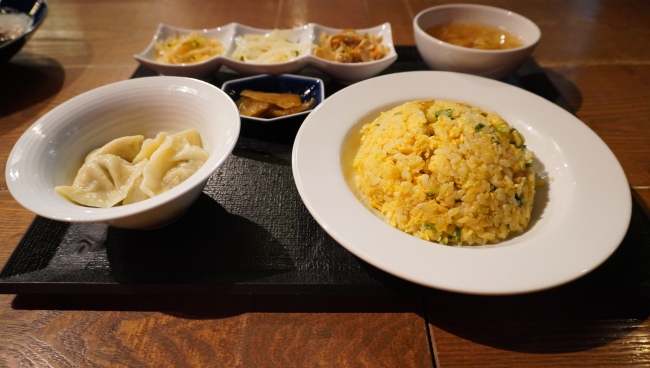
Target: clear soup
475, 36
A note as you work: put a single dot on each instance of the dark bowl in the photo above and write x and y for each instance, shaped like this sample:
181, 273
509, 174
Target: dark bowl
282, 129
306, 87
37, 9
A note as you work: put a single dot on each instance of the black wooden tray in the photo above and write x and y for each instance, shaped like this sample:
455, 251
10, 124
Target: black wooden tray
249, 232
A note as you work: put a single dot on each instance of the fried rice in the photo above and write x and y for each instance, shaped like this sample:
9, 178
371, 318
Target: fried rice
447, 172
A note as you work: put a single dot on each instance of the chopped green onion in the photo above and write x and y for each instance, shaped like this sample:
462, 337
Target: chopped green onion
503, 128
517, 139
457, 233
431, 227
479, 127
433, 192
529, 164
520, 201
445, 112
443, 241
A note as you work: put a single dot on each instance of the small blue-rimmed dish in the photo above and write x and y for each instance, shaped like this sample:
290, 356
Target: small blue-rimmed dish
306, 87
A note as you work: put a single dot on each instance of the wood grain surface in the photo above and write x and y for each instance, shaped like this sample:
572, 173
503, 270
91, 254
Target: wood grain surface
594, 52
207, 332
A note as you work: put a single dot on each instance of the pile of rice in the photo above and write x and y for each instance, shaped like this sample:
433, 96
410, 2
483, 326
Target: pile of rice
447, 172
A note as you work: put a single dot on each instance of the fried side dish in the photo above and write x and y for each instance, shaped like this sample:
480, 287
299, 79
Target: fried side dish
350, 47
270, 105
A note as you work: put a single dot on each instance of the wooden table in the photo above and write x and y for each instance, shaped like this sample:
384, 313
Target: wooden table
594, 52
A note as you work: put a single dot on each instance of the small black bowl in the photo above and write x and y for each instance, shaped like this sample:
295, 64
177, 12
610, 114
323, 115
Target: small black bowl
306, 87
281, 129
36, 9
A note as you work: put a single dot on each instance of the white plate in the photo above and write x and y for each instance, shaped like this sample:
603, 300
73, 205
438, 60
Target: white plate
345, 73
579, 219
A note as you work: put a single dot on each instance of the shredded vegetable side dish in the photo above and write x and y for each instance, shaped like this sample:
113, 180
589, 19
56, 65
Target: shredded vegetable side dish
190, 48
273, 47
348, 46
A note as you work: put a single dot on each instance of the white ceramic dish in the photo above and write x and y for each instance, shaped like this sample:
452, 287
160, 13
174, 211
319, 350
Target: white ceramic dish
202, 69
51, 151
579, 219
496, 64
227, 35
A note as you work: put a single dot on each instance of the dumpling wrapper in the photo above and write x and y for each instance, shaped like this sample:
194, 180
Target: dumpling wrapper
102, 181
149, 146
135, 193
177, 158
193, 137
125, 147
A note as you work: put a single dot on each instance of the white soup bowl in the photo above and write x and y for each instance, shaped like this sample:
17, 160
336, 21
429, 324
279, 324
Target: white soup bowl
495, 64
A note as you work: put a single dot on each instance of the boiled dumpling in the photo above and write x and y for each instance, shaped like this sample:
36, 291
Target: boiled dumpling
132, 169
136, 194
102, 181
149, 146
193, 137
177, 158
125, 147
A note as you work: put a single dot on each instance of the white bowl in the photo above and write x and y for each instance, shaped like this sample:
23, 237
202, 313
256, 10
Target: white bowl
494, 64
345, 73
51, 151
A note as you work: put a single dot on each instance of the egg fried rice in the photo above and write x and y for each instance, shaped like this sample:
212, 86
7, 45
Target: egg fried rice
447, 172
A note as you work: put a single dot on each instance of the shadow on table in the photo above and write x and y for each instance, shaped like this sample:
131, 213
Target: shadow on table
605, 305
212, 307
206, 245
26, 80
566, 89
208, 249
535, 324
